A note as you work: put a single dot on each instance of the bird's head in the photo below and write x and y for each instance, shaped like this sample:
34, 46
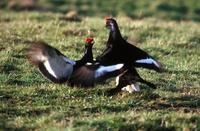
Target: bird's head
89, 41
111, 23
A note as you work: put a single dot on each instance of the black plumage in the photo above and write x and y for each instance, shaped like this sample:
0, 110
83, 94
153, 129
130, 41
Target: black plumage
57, 68
119, 59
119, 50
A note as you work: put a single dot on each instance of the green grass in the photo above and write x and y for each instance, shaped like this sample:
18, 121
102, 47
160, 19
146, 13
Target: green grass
28, 101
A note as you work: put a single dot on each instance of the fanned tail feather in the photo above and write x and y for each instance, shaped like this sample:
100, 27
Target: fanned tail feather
149, 63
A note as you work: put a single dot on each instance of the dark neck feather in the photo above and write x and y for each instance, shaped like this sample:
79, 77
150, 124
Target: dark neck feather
88, 53
114, 35
87, 57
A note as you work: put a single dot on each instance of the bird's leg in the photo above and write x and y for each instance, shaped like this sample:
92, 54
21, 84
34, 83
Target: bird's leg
139, 79
148, 83
122, 80
120, 83
115, 90
130, 78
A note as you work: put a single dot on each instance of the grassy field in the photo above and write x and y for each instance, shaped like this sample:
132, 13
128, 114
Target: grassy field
29, 102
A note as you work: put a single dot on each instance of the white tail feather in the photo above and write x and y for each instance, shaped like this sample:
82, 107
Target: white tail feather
149, 61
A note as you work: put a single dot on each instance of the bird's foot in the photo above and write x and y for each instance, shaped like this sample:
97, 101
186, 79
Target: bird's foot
131, 88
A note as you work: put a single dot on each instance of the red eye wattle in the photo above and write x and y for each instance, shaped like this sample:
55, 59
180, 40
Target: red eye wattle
89, 40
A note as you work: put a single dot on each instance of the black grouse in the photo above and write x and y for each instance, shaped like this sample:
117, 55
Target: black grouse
60, 69
119, 50
84, 73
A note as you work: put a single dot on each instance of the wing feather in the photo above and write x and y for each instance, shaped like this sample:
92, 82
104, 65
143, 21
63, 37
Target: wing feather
51, 63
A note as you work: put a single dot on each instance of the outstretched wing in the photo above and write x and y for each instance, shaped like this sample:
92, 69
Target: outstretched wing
88, 75
51, 63
58, 68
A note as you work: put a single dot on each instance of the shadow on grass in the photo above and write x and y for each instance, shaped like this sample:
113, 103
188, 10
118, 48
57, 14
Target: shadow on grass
5, 127
23, 83
134, 104
24, 112
121, 124
8, 68
189, 101
183, 103
104, 108
148, 100
157, 126
9, 114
